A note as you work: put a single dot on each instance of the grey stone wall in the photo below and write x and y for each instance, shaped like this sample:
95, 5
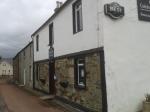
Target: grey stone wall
16, 68
26, 66
89, 97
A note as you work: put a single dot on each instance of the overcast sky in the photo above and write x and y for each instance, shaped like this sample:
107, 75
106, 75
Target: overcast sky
18, 20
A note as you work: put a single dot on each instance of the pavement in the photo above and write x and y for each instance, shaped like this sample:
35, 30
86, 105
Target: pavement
14, 99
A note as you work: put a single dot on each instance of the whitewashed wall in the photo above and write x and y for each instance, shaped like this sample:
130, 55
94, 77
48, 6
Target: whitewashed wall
64, 40
42, 54
127, 57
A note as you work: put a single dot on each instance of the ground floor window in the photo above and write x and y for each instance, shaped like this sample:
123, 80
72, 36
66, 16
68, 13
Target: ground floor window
80, 76
42, 72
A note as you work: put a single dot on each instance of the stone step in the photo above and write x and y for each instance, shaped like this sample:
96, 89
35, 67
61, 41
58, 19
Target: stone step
47, 97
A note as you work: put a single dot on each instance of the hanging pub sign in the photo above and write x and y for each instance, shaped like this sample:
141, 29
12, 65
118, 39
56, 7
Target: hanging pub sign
51, 53
114, 10
143, 10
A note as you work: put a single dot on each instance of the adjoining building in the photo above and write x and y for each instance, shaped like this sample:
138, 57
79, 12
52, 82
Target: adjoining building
23, 66
6, 68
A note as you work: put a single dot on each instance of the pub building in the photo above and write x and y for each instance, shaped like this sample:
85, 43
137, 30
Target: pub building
98, 52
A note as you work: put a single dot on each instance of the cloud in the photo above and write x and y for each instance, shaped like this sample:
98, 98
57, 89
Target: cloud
19, 19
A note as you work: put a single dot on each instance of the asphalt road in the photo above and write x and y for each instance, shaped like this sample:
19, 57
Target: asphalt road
14, 99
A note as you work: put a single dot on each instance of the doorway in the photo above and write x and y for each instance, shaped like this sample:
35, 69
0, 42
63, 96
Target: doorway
52, 89
24, 77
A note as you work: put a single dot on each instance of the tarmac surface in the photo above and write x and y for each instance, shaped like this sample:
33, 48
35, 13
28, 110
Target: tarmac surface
14, 99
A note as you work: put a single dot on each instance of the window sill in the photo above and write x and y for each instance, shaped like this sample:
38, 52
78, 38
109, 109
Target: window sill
78, 87
77, 32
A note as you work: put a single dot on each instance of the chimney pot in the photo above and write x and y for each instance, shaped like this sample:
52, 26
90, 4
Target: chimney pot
59, 4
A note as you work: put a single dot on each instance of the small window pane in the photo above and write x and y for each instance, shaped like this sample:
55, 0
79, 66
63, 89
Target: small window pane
77, 17
80, 73
37, 43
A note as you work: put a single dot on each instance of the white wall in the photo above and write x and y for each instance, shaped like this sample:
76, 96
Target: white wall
42, 54
64, 40
127, 57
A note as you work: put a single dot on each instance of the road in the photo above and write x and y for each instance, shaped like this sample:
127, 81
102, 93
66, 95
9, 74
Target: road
14, 99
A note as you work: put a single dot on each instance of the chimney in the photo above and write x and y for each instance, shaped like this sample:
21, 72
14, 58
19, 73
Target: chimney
59, 4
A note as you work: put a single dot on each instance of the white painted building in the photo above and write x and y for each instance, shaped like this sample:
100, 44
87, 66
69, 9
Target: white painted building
6, 68
126, 47
125, 42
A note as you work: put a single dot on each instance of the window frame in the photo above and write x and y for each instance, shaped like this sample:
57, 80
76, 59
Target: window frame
30, 50
79, 63
37, 43
51, 34
24, 54
77, 22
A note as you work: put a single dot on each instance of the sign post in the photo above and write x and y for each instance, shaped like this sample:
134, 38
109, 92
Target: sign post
51, 54
143, 10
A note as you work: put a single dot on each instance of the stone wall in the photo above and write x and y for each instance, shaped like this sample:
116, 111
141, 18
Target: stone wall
89, 97
16, 68
26, 66
42, 76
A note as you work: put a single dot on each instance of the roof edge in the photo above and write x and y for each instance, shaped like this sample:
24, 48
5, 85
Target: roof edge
54, 15
23, 49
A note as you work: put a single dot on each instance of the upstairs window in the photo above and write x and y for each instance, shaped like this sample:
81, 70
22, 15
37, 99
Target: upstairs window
37, 43
30, 50
51, 35
77, 17
80, 76
24, 54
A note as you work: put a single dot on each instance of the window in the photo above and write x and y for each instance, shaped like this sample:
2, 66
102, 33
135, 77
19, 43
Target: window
80, 76
77, 17
30, 51
24, 54
51, 34
37, 43
4, 72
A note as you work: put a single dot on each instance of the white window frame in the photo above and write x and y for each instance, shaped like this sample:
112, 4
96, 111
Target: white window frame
79, 64
77, 7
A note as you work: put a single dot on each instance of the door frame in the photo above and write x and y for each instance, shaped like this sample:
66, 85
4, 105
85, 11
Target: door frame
24, 77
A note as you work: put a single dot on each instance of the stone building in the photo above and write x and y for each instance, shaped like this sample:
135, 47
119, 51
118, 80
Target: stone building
23, 66
6, 67
68, 56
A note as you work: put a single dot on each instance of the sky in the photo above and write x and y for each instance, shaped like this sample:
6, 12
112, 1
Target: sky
18, 20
